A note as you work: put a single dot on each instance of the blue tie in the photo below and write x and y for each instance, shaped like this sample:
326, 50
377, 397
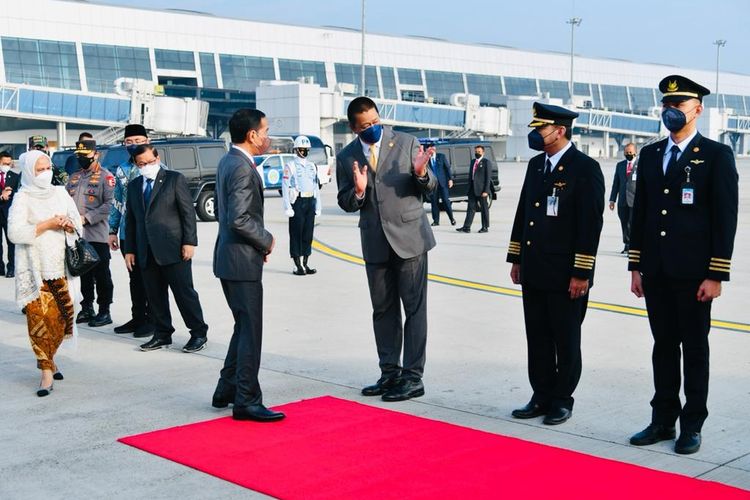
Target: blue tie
675, 150
147, 192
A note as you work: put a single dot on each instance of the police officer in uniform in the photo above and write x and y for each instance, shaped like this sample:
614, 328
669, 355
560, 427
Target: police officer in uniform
301, 192
91, 188
140, 324
681, 242
553, 249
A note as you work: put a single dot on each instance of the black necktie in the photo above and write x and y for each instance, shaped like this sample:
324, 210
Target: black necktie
547, 167
675, 150
147, 192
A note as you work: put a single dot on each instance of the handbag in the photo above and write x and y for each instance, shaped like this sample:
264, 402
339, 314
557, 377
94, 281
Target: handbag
80, 257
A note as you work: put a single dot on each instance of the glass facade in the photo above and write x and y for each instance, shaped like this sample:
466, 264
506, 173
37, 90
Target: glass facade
106, 63
596, 95
556, 88
68, 105
642, 99
208, 70
245, 72
520, 86
41, 62
615, 97
409, 76
636, 123
174, 59
582, 89
292, 69
441, 84
488, 88
735, 102
352, 73
388, 78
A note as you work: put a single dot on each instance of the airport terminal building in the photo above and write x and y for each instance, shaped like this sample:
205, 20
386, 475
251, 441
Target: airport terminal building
60, 59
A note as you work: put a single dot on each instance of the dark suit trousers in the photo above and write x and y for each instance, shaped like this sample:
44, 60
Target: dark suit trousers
553, 336
11, 247
100, 278
441, 193
396, 282
623, 212
241, 366
301, 227
157, 281
471, 209
676, 317
139, 307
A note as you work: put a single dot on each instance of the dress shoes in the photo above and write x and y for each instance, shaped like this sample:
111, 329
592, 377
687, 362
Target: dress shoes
223, 396
10, 274
143, 330
557, 416
195, 344
381, 386
531, 410
156, 343
483, 230
86, 314
406, 389
653, 434
453, 222
688, 443
463, 230
258, 413
435, 223
128, 327
58, 375
101, 319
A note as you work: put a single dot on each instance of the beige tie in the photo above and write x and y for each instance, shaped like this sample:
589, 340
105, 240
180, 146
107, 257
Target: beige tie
373, 159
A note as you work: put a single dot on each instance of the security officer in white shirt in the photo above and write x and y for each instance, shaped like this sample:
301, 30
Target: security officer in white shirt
300, 189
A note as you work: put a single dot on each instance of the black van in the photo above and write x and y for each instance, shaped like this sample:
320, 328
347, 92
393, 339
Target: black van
460, 154
197, 158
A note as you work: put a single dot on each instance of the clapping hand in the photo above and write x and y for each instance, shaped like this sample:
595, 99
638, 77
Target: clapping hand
420, 161
360, 178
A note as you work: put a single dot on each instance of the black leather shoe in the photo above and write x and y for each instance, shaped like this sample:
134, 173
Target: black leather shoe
381, 386
101, 319
58, 376
652, 434
453, 222
688, 443
258, 413
531, 410
143, 330
86, 314
557, 416
483, 230
435, 224
195, 344
407, 389
463, 230
156, 343
223, 395
128, 327
310, 270
10, 274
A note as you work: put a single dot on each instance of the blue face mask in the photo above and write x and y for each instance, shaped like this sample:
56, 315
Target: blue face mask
372, 134
536, 140
674, 119
131, 148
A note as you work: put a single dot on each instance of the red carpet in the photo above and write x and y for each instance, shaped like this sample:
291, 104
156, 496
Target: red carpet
332, 448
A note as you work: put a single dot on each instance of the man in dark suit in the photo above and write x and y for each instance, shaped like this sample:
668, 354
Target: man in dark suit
553, 248
160, 237
441, 167
623, 192
9, 182
480, 179
242, 248
383, 174
681, 243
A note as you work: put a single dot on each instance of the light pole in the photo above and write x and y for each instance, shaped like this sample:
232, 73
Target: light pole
719, 44
362, 69
573, 22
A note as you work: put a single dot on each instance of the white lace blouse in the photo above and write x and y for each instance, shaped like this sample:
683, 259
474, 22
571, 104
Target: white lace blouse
42, 257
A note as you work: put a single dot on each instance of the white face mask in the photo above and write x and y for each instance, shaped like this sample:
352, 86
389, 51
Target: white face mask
151, 170
4, 167
43, 180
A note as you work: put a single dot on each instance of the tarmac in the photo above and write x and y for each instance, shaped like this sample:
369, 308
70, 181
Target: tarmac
318, 341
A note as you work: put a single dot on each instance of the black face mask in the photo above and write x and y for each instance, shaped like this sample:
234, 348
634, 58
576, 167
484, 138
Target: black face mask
85, 162
477, 155
303, 153
629, 156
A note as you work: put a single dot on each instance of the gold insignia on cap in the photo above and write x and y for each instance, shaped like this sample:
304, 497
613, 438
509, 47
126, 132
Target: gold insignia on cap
672, 86
696, 149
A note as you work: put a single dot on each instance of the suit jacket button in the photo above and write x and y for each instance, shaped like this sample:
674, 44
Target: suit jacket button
664, 212
528, 243
536, 204
663, 233
531, 223
666, 191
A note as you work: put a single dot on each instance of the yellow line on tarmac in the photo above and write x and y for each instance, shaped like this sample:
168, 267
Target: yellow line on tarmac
513, 292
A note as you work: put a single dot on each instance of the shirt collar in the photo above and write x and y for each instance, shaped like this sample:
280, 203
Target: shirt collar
555, 158
366, 147
682, 144
252, 160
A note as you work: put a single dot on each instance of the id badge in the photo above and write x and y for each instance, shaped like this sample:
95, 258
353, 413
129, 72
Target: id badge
688, 194
552, 204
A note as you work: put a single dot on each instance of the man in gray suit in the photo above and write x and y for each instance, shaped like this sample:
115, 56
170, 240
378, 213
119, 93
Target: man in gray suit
383, 174
242, 247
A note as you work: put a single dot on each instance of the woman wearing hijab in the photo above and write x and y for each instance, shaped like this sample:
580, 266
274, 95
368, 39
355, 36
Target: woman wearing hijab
40, 216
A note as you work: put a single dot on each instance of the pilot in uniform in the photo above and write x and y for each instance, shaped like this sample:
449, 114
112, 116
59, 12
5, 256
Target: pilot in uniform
553, 248
681, 242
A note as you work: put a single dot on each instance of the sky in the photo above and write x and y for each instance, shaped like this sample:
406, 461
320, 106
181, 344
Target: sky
681, 33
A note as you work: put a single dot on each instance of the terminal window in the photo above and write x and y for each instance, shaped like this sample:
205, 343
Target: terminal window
291, 70
208, 70
245, 72
441, 84
41, 62
352, 73
388, 78
615, 97
174, 59
488, 88
409, 76
642, 98
106, 63
555, 88
520, 86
